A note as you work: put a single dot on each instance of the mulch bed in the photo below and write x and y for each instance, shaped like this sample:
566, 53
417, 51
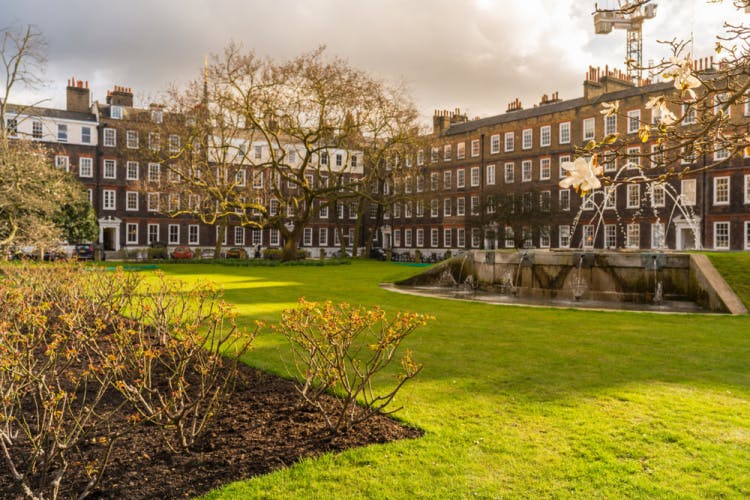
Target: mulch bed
261, 428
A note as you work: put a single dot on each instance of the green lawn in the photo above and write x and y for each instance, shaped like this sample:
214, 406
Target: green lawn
525, 402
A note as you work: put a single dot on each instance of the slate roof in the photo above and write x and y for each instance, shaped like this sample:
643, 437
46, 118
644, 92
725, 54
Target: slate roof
52, 113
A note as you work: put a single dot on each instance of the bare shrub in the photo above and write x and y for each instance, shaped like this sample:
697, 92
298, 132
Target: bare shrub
340, 348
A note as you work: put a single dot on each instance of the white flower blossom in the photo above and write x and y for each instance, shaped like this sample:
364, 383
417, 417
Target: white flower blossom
683, 77
582, 174
610, 108
660, 104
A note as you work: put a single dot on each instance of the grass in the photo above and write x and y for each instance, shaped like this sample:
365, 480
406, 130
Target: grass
526, 402
735, 267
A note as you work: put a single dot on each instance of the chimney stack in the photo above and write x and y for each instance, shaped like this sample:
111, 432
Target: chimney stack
120, 96
78, 96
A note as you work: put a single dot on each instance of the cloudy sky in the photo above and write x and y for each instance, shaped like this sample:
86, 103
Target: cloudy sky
476, 55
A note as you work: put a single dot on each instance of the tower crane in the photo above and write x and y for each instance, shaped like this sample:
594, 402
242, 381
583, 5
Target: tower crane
629, 15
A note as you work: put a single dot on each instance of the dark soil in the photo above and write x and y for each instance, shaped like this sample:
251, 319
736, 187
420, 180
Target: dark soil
262, 427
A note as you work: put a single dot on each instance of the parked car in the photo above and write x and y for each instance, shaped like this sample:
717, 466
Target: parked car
183, 253
207, 253
84, 251
236, 253
377, 253
338, 255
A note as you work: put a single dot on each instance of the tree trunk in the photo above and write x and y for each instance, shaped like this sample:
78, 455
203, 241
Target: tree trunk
220, 238
290, 251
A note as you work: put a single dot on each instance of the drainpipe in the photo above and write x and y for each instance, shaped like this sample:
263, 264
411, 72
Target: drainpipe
482, 175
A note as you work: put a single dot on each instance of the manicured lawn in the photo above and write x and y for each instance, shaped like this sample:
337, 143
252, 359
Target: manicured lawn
525, 402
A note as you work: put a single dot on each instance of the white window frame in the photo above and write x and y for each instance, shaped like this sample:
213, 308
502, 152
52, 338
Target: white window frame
494, 145
658, 235
589, 129
545, 168
131, 139
85, 166
490, 175
109, 199
563, 198
434, 238
474, 176
634, 120
527, 138
633, 198
588, 236
109, 138
131, 170
564, 133
562, 159
131, 196
152, 233
460, 178
109, 169
717, 242
610, 236
461, 237
447, 238
688, 192
721, 190
475, 146
510, 139
527, 171
420, 237
563, 236
131, 238
152, 202
633, 235
173, 234
510, 173
545, 136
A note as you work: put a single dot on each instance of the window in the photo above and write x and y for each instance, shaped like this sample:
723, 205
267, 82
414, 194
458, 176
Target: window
153, 232
610, 125
461, 206
324, 212
474, 176
689, 114
239, 236
174, 202
720, 152
509, 141
563, 239
633, 236
433, 155
257, 237
545, 200
610, 236
475, 205
447, 238
85, 167
434, 208
688, 192
240, 177
157, 115
545, 169
561, 161
174, 143
434, 238
657, 155
587, 202
131, 201
527, 138
420, 208
110, 137
719, 101
62, 162
154, 172
588, 236
476, 237
115, 112
397, 211
490, 174
257, 152
461, 237
747, 189
460, 178
11, 126
610, 197
447, 180
447, 152
475, 146
154, 141
564, 133
131, 170
510, 237
62, 132
173, 234
131, 139
589, 129
721, 235
510, 172
657, 235
494, 145
447, 207
193, 234
110, 169
420, 237
658, 195
152, 202
434, 182
609, 161
420, 157
526, 171
131, 230
353, 161
564, 199
36, 130
273, 237
634, 196
420, 183
108, 199
407, 237
460, 151
634, 120
224, 240
544, 237
634, 157
721, 190
545, 136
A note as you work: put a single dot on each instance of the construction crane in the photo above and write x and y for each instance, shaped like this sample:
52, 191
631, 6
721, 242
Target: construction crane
629, 15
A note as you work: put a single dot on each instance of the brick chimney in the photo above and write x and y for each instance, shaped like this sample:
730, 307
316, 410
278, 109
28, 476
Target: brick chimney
120, 96
78, 96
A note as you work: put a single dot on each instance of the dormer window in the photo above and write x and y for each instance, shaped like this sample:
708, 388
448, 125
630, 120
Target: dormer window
157, 115
115, 112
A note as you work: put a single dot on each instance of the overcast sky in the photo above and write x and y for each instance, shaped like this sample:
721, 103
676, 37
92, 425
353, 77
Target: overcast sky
476, 55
